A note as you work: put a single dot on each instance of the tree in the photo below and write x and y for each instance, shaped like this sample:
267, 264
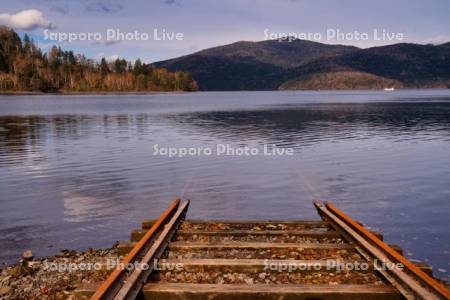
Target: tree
137, 69
120, 66
23, 66
104, 70
54, 60
141, 82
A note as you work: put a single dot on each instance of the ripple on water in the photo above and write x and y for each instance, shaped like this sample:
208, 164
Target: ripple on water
82, 173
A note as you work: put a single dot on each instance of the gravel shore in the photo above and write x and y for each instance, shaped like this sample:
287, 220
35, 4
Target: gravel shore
55, 277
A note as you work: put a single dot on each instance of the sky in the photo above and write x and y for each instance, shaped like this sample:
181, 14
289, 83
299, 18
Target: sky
98, 28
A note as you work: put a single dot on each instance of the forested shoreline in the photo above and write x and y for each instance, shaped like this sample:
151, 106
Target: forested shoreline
24, 67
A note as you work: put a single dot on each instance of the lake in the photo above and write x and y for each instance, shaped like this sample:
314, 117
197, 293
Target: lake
80, 171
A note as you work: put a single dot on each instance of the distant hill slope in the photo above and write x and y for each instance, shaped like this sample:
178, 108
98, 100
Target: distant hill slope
250, 65
271, 65
282, 54
409, 65
340, 80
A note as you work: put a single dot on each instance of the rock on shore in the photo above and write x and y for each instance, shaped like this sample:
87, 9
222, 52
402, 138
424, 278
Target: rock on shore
55, 277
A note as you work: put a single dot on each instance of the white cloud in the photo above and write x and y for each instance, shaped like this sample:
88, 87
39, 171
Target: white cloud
25, 20
108, 58
112, 57
437, 40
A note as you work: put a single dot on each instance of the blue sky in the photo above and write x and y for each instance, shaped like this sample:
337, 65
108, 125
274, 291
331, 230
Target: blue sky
208, 23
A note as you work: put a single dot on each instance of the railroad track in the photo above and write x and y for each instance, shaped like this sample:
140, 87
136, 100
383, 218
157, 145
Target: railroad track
336, 258
410, 280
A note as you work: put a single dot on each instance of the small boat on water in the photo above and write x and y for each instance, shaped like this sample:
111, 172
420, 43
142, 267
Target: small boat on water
389, 89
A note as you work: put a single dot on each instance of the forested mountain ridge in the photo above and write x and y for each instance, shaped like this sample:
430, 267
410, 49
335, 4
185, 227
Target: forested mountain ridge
266, 65
283, 54
251, 65
24, 67
271, 65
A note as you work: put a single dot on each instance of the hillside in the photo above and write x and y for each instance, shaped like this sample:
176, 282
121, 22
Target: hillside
340, 80
282, 54
271, 65
250, 65
412, 64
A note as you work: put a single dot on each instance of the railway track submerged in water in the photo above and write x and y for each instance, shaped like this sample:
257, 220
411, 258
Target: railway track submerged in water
336, 258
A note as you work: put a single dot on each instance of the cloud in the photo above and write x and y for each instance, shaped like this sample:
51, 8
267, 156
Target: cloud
25, 20
171, 2
104, 7
106, 43
437, 40
64, 10
109, 58
112, 57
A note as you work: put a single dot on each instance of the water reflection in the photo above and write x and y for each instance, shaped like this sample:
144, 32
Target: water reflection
77, 174
312, 123
21, 136
297, 125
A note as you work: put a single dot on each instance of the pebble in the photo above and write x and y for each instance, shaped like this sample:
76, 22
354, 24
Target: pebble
267, 278
27, 255
35, 280
4, 290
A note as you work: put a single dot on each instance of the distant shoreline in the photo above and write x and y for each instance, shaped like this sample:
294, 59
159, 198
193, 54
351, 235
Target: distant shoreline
31, 93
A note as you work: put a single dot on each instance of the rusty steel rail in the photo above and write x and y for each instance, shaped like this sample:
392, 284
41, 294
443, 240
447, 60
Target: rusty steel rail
412, 282
115, 282
136, 280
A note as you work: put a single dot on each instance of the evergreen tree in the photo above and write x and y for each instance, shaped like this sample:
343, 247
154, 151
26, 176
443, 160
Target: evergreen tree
23, 66
104, 70
137, 69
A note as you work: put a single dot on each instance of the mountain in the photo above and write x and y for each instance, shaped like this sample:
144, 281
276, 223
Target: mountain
279, 53
251, 65
300, 64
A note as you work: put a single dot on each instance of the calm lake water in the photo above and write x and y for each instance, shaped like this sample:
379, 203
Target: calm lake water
79, 171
